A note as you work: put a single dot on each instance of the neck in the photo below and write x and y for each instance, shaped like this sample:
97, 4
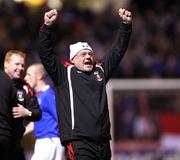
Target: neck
40, 86
5, 70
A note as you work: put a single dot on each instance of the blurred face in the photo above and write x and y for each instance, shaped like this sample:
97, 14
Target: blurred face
15, 66
31, 77
84, 60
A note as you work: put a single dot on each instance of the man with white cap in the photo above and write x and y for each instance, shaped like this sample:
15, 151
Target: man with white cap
81, 98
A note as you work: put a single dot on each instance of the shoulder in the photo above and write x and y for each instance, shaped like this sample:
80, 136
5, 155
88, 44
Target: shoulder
99, 66
66, 64
4, 77
48, 91
51, 91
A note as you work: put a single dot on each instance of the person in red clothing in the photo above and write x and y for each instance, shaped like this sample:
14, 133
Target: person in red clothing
81, 98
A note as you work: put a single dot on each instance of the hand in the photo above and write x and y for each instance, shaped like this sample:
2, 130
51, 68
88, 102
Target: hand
20, 111
50, 17
125, 15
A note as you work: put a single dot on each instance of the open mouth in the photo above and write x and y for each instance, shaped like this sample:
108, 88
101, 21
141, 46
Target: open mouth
88, 62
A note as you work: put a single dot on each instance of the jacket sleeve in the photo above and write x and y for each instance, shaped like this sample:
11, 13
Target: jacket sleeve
119, 47
32, 105
47, 56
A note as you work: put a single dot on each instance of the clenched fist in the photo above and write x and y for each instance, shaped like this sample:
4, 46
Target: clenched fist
50, 17
125, 15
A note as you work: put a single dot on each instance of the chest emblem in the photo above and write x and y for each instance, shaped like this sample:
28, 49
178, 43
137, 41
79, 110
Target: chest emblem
20, 96
97, 76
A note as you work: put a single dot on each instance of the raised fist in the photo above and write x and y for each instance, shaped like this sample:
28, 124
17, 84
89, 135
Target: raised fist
125, 15
50, 17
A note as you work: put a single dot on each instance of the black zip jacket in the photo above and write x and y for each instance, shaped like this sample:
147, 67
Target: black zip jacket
26, 97
7, 101
81, 98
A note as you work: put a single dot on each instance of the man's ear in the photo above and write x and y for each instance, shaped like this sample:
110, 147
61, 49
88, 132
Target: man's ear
40, 76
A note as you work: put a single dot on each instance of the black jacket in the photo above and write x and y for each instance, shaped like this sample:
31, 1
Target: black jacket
81, 98
26, 97
7, 101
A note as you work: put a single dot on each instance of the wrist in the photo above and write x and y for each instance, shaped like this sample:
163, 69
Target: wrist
29, 113
48, 24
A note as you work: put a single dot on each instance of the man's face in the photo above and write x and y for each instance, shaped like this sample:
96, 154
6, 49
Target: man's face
84, 60
31, 77
15, 66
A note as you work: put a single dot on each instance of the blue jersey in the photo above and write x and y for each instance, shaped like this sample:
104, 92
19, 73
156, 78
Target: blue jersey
47, 127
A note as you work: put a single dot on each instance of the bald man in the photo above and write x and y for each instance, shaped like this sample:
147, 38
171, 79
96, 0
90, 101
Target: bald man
47, 145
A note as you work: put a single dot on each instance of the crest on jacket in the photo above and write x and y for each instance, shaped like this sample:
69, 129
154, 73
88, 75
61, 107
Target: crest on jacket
97, 76
20, 95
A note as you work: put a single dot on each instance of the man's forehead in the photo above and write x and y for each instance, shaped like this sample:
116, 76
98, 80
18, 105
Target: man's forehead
16, 57
85, 51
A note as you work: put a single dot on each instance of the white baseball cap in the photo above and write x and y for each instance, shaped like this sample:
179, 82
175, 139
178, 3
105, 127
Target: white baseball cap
77, 47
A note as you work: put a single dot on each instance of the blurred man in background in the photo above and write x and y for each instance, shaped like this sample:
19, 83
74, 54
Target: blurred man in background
47, 145
27, 107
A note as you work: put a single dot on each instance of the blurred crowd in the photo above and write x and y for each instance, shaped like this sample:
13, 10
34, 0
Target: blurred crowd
152, 53
135, 118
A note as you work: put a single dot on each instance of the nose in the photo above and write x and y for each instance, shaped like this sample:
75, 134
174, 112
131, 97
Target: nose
88, 55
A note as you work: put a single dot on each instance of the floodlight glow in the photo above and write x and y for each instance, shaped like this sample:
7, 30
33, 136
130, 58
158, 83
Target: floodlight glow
35, 3
54, 4
18, 1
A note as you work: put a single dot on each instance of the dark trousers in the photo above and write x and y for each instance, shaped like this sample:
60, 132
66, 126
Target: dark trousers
5, 150
87, 150
17, 151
